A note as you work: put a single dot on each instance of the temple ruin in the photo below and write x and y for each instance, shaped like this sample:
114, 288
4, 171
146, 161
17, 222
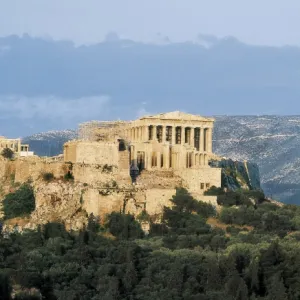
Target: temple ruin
15, 145
177, 142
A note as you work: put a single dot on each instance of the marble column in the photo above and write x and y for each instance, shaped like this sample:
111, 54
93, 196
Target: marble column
192, 137
149, 160
146, 133
173, 135
202, 140
166, 160
182, 135
154, 133
173, 160
158, 160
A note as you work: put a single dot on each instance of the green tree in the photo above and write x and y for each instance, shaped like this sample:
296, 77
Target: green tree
19, 203
5, 287
7, 153
276, 289
124, 226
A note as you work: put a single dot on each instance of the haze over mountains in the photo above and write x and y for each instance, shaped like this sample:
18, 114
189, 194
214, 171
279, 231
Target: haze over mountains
51, 85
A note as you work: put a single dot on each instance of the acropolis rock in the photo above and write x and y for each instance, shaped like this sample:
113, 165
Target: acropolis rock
122, 166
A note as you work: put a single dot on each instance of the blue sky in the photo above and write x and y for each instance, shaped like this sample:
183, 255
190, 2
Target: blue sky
112, 80
268, 22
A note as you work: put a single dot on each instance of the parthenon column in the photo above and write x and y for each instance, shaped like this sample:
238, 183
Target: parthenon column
154, 133
173, 160
149, 160
141, 133
209, 140
166, 160
173, 135
182, 135
158, 160
202, 139
146, 133
192, 137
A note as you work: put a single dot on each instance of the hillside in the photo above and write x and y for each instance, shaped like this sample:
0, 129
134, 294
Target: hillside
49, 143
270, 141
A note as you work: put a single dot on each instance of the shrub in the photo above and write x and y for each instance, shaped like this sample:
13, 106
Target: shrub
214, 191
69, 176
124, 226
48, 176
107, 168
143, 217
7, 153
19, 203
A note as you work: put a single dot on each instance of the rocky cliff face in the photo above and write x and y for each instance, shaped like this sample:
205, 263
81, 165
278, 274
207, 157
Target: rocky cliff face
238, 174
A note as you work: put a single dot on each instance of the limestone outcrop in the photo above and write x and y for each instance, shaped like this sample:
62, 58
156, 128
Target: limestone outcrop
238, 174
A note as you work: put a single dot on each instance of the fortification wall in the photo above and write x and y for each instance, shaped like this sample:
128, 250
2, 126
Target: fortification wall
89, 152
133, 202
199, 180
97, 153
23, 169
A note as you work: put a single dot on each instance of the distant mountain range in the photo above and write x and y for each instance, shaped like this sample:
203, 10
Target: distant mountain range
273, 142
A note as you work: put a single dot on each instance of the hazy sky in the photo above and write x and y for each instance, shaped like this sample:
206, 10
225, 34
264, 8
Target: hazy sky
272, 22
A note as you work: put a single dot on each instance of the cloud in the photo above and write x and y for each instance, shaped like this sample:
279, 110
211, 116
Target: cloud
51, 108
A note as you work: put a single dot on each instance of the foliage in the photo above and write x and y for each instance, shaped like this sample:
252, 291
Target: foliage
123, 226
107, 168
241, 197
182, 258
48, 176
214, 191
7, 153
143, 216
19, 203
69, 176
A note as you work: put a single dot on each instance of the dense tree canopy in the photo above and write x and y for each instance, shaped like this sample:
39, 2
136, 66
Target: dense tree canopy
183, 257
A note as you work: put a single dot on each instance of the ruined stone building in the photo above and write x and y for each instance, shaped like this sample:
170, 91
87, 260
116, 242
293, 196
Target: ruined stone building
15, 145
174, 142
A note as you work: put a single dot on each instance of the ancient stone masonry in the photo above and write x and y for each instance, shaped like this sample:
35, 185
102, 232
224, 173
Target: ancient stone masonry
165, 151
175, 141
15, 145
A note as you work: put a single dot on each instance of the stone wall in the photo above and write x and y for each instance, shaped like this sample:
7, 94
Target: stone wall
89, 152
96, 190
201, 179
133, 201
31, 168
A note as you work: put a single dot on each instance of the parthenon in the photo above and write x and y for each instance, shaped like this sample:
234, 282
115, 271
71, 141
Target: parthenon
174, 141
